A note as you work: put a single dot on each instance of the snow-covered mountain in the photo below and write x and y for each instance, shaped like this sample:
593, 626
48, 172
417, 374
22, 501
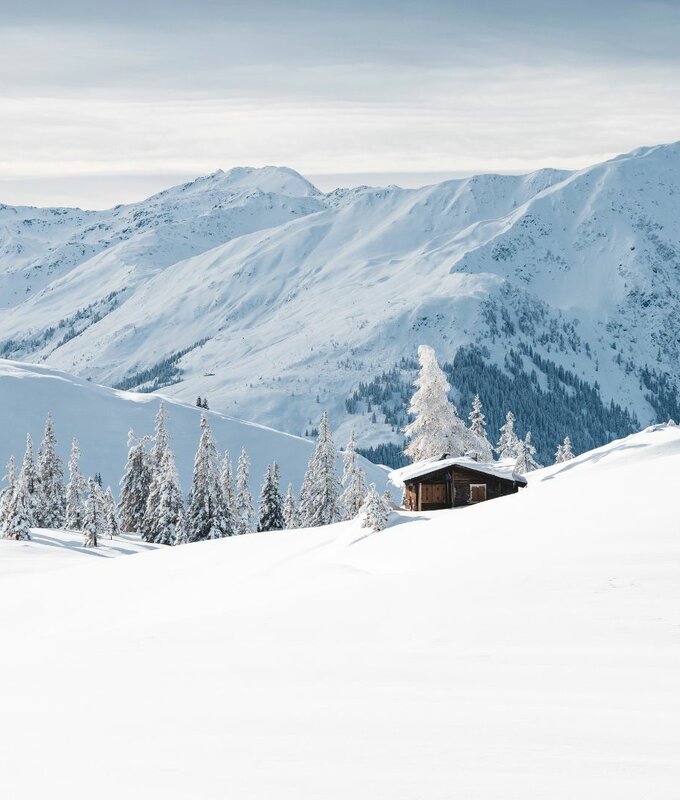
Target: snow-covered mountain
101, 417
522, 648
275, 301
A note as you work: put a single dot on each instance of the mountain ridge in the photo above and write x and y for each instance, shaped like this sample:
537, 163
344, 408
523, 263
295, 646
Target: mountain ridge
274, 300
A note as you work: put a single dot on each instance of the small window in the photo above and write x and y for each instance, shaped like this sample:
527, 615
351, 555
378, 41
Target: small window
477, 492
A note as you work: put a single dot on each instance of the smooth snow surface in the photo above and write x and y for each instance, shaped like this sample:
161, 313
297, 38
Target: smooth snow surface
525, 648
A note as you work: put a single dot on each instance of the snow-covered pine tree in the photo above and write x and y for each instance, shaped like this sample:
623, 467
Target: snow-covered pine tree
205, 517
134, 487
290, 512
243, 511
481, 446
437, 429
51, 504
526, 452
170, 501
508, 444
110, 515
271, 502
228, 493
319, 500
353, 481
158, 463
564, 451
374, 511
181, 530
7, 492
19, 512
75, 491
94, 521
29, 479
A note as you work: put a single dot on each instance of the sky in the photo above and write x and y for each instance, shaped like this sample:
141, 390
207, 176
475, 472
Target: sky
107, 103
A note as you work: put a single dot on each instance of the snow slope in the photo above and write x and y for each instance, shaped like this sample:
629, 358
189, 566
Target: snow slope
307, 295
48, 550
523, 648
101, 417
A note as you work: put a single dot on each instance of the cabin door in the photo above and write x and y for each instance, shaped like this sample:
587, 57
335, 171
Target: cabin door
434, 494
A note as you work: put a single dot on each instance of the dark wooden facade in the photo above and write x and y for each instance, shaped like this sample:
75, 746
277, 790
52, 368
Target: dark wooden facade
455, 486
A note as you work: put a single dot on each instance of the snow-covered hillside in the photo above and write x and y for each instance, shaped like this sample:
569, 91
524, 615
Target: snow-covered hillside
101, 417
254, 289
523, 648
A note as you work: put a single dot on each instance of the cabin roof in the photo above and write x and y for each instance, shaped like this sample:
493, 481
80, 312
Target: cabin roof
498, 469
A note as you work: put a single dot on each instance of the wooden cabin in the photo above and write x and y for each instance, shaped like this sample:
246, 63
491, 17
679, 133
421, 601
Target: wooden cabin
454, 482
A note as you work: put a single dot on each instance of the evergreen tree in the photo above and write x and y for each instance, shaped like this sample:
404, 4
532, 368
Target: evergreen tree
228, 493
19, 513
353, 481
110, 516
181, 529
526, 456
244, 511
158, 463
29, 481
199, 402
480, 441
564, 451
8, 491
271, 502
437, 430
319, 501
205, 517
170, 502
508, 444
374, 511
290, 512
75, 491
94, 520
50, 506
134, 487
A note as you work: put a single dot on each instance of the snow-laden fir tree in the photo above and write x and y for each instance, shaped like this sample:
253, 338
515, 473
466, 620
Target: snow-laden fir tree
181, 529
271, 502
437, 429
353, 481
75, 491
205, 517
50, 507
29, 479
163, 479
134, 486
228, 492
526, 456
110, 514
483, 450
94, 520
10, 479
374, 511
290, 511
170, 501
564, 451
18, 517
508, 444
319, 495
244, 512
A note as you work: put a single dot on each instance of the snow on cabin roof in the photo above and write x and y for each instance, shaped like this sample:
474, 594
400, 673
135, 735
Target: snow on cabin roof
499, 469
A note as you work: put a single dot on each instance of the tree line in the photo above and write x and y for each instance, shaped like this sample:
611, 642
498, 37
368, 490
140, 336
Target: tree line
152, 504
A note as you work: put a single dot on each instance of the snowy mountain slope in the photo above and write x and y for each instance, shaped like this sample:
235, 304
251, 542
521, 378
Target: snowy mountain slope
522, 648
579, 270
101, 417
60, 261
